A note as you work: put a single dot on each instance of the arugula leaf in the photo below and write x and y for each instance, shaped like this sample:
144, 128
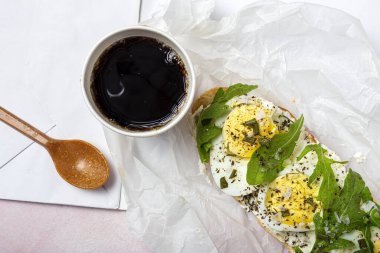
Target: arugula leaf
268, 160
340, 243
344, 215
362, 251
297, 250
206, 130
213, 112
219, 93
347, 206
367, 237
329, 188
233, 91
367, 196
321, 239
206, 134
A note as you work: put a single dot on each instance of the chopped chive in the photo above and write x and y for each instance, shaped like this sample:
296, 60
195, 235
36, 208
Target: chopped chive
254, 125
233, 174
223, 183
250, 140
309, 201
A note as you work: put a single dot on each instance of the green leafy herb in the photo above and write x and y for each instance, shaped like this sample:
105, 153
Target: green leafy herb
233, 91
366, 243
329, 187
233, 174
206, 130
250, 140
268, 159
254, 125
223, 183
324, 242
374, 215
204, 137
340, 243
343, 216
213, 112
347, 205
367, 196
264, 141
297, 250
363, 251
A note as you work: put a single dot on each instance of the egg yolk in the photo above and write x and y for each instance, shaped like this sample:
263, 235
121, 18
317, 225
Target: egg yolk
376, 246
235, 131
291, 200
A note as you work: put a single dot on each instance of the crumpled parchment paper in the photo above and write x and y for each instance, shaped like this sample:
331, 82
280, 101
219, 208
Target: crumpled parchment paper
310, 59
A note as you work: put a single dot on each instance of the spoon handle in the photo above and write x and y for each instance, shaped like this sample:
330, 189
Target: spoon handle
23, 127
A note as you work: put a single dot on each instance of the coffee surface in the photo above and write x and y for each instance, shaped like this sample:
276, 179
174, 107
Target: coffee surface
139, 83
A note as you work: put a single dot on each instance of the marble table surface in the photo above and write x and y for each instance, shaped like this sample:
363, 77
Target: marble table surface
31, 227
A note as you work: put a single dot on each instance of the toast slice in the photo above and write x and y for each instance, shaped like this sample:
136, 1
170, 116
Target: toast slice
206, 99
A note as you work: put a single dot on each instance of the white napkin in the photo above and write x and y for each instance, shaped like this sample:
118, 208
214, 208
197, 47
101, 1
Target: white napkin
310, 59
43, 46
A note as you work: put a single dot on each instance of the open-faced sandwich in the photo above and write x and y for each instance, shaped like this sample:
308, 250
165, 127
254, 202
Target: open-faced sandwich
299, 190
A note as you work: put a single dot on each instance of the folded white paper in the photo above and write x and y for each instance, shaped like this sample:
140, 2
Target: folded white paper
43, 46
310, 59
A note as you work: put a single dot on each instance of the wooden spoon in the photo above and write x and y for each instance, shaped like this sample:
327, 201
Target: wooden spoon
79, 163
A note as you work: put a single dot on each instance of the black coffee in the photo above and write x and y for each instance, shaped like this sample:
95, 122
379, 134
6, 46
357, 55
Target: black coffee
139, 83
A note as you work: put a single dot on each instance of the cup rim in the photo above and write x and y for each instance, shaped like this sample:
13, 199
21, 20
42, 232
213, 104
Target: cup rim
155, 131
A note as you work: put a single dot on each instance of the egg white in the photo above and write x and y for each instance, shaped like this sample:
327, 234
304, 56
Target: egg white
222, 165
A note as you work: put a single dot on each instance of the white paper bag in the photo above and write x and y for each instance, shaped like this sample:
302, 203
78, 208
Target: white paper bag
313, 60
